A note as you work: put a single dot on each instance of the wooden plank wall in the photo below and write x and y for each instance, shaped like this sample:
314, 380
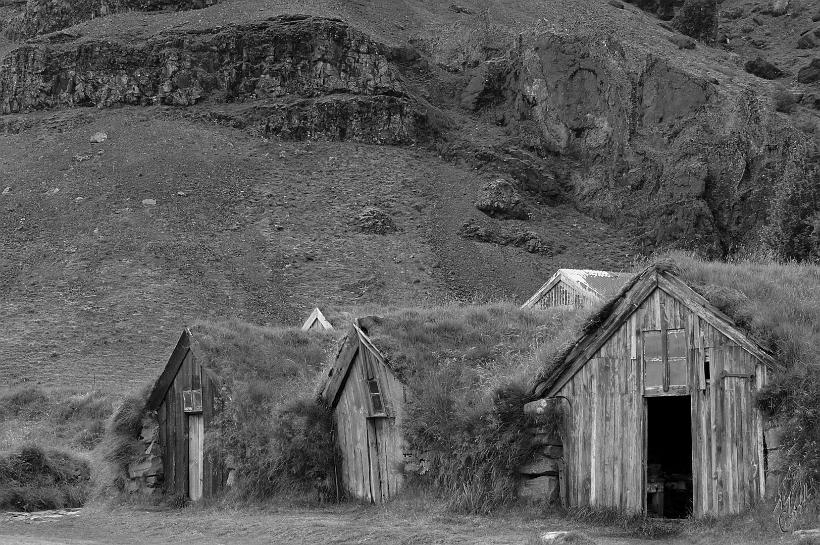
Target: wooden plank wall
605, 442
562, 294
371, 447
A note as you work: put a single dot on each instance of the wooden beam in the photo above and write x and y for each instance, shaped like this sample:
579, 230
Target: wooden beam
166, 379
340, 369
548, 285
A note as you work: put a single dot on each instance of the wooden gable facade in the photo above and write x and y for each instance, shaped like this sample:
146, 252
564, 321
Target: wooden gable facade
184, 399
665, 378
577, 288
368, 402
316, 321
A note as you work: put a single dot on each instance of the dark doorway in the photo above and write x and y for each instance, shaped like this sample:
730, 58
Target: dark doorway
668, 457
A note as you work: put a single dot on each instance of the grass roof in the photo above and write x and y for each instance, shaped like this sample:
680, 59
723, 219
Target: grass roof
495, 341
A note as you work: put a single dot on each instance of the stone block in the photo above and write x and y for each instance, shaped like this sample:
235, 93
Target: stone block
540, 488
541, 465
564, 537
145, 467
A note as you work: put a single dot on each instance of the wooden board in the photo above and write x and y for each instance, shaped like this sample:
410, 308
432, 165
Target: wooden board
196, 449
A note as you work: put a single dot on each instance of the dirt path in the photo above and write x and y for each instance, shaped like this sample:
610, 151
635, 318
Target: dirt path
347, 524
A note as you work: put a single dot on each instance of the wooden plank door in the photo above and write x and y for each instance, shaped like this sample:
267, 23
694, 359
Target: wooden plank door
196, 446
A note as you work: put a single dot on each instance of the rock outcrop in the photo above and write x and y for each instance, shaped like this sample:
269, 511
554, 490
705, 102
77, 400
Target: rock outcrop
44, 16
500, 199
660, 149
306, 76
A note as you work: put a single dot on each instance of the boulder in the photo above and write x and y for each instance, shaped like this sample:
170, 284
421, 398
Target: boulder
697, 19
564, 537
683, 42
763, 69
806, 41
778, 7
500, 199
810, 73
375, 221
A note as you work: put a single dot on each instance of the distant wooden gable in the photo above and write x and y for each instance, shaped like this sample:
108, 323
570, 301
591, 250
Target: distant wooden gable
316, 320
659, 396
368, 403
577, 288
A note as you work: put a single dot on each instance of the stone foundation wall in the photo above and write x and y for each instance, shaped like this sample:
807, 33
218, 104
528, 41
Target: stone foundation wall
542, 475
145, 473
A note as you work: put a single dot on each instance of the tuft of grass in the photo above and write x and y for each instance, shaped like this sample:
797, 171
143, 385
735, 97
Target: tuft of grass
29, 403
35, 478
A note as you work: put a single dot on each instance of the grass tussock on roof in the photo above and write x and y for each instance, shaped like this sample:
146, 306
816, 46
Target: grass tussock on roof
496, 341
240, 351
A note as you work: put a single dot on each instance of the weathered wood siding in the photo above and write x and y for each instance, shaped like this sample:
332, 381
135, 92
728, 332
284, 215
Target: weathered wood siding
562, 294
174, 431
371, 446
605, 438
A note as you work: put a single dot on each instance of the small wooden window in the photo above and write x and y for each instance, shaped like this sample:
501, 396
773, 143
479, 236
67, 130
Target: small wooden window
706, 363
192, 401
375, 396
676, 354
665, 368
653, 359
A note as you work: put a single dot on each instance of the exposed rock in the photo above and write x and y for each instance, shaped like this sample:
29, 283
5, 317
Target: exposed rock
615, 4
519, 238
763, 69
149, 202
98, 138
698, 19
683, 42
317, 77
375, 221
487, 85
44, 16
461, 9
778, 7
500, 199
810, 73
644, 132
806, 41
564, 537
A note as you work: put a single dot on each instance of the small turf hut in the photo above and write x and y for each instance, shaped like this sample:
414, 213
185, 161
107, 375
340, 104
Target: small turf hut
658, 405
577, 288
316, 321
184, 400
367, 399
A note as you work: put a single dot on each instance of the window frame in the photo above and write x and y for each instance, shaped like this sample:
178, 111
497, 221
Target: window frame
663, 357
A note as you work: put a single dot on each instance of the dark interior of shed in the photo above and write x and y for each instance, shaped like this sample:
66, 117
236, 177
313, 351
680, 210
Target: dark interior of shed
669, 457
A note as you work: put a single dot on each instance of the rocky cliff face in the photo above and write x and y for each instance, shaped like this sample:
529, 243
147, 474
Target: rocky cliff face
306, 77
44, 16
679, 157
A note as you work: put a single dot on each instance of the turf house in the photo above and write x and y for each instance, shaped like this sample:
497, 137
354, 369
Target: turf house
367, 399
657, 405
577, 288
183, 398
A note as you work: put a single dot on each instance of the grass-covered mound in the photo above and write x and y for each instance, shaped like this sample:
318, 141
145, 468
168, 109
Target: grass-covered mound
57, 418
779, 305
33, 478
464, 368
268, 427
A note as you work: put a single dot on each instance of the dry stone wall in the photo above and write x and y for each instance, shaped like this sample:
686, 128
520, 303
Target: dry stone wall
145, 472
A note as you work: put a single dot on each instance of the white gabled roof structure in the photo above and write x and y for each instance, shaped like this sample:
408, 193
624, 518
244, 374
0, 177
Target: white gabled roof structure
597, 286
316, 320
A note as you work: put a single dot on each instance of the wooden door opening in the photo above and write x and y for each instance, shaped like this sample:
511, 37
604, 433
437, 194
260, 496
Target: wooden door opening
669, 456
